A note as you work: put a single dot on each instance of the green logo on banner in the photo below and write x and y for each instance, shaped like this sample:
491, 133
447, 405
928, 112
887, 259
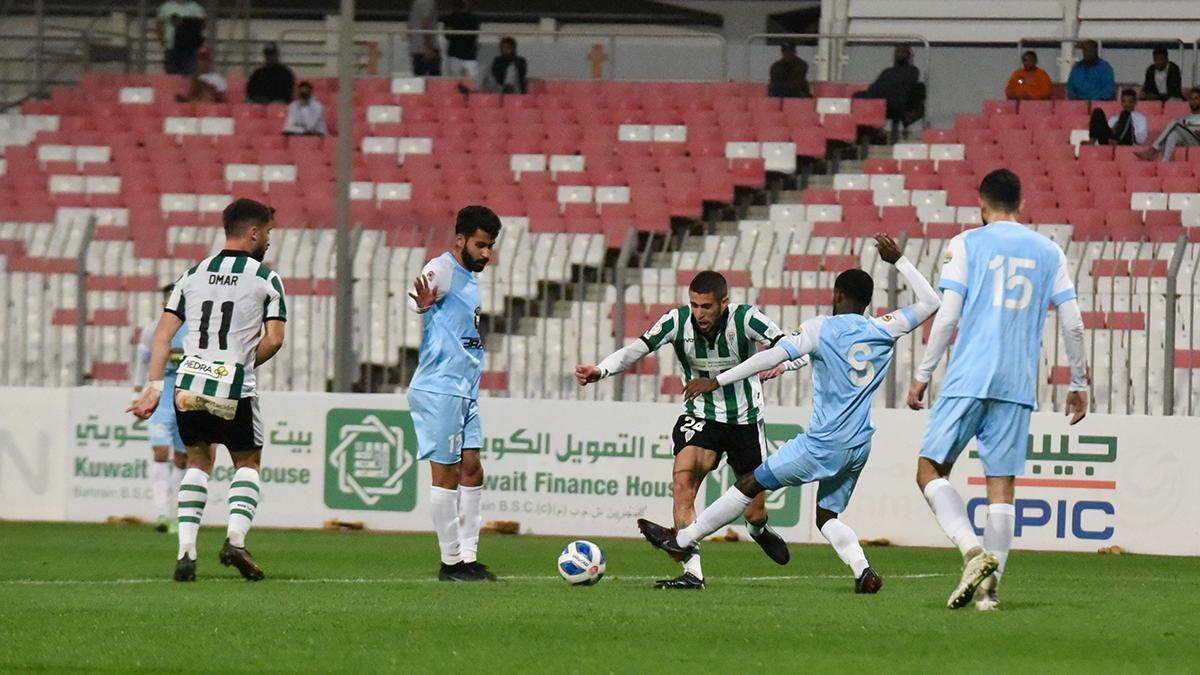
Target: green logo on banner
783, 506
368, 463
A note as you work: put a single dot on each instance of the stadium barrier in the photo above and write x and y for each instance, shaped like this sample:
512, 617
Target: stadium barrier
566, 469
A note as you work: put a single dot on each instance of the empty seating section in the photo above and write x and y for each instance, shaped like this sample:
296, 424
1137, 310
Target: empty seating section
570, 169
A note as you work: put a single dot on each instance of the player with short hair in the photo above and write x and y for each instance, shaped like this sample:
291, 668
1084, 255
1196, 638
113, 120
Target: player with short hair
234, 310
709, 336
164, 431
850, 354
1000, 280
444, 393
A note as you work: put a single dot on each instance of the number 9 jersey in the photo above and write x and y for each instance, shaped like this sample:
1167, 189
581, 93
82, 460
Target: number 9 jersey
1008, 276
224, 300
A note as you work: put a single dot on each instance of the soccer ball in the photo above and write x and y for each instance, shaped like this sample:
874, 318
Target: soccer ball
581, 563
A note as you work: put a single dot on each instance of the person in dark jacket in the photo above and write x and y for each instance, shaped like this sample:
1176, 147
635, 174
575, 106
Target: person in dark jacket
271, 82
508, 71
462, 51
789, 75
901, 86
1163, 81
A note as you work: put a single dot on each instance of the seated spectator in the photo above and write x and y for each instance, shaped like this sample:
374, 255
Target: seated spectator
1029, 83
1184, 131
271, 82
1091, 78
508, 71
789, 75
462, 51
1163, 80
205, 86
1126, 128
180, 29
305, 115
901, 86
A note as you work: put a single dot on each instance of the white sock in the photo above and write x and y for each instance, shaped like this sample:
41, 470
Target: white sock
720, 513
468, 511
243, 503
160, 480
845, 542
692, 566
998, 533
443, 504
951, 514
193, 495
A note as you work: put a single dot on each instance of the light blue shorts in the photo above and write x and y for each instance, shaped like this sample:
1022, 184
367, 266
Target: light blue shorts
802, 461
1001, 428
163, 428
445, 425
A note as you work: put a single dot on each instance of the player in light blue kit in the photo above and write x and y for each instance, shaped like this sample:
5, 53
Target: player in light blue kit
444, 393
850, 354
1000, 279
167, 468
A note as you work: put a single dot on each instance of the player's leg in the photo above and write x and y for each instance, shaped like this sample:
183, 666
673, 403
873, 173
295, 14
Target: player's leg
178, 468
193, 496
243, 436
439, 422
470, 493
162, 434
833, 496
1003, 443
952, 424
692, 464
746, 448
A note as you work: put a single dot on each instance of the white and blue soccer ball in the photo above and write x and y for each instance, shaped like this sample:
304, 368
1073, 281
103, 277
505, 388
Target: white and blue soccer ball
581, 563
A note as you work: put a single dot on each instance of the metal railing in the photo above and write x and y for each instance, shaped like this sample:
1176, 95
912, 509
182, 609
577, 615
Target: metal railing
840, 41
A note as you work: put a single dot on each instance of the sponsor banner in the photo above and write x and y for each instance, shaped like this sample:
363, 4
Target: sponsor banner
577, 468
33, 425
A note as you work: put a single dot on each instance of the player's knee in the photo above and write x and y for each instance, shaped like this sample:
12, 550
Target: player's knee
246, 460
160, 453
824, 516
180, 460
749, 485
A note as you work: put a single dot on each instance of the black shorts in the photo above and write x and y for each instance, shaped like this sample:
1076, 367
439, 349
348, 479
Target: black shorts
243, 433
743, 445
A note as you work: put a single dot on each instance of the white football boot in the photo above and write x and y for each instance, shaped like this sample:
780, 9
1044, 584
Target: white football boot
977, 568
985, 595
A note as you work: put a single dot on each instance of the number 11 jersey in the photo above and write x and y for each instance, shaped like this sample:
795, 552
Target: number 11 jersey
1008, 275
224, 300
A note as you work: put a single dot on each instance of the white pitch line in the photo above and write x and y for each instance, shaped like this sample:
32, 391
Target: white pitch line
425, 580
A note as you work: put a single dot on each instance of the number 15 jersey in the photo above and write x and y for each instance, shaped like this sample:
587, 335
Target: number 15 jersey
224, 300
1008, 275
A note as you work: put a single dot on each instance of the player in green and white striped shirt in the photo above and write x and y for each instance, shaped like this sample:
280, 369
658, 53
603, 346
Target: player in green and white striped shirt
234, 309
709, 336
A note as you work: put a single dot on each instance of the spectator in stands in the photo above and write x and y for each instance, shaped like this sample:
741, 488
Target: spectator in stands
462, 51
1125, 128
426, 61
1184, 131
1029, 83
205, 86
1163, 80
271, 82
305, 115
180, 29
1091, 78
789, 75
901, 85
508, 71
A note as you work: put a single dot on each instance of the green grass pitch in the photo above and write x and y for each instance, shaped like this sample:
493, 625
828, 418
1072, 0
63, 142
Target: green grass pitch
99, 598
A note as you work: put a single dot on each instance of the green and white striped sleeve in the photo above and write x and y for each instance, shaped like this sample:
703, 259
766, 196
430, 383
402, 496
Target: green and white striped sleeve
663, 331
761, 328
276, 305
175, 301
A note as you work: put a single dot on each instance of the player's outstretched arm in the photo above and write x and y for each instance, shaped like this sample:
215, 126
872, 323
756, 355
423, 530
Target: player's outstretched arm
908, 318
785, 367
160, 348
790, 348
614, 363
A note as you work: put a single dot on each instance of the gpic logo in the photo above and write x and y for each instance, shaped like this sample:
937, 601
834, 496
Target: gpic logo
367, 466
783, 506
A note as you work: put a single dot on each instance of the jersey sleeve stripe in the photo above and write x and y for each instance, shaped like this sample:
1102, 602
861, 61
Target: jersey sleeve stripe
263, 272
950, 285
791, 350
214, 263
1063, 296
278, 286
909, 316
239, 264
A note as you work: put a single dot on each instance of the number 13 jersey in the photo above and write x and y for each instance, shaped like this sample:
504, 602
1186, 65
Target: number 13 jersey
1008, 276
224, 300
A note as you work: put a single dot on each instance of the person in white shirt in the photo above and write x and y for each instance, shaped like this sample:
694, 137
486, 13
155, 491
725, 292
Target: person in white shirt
306, 115
1127, 127
1184, 131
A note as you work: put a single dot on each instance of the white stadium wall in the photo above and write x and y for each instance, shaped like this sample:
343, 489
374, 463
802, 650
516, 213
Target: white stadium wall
590, 469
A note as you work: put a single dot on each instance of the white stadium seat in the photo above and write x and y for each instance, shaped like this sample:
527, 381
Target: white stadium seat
216, 126
574, 194
414, 146
178, 202
969, 215
572, 163
787, 214
522, 163
212, 203
742, 150
851, 181
1183, 201
66, 184
408, 85
940, 151
612, 194
910, 151
887, 182
243, 173
380, 114
1148, 201
779, 157
670, 133
928, 198
891, 198
635, 132
393, 191
833, 106
279, 173
102, 185
136, 95
379, 145
362, 190
181, 126
824, 212
56, 153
